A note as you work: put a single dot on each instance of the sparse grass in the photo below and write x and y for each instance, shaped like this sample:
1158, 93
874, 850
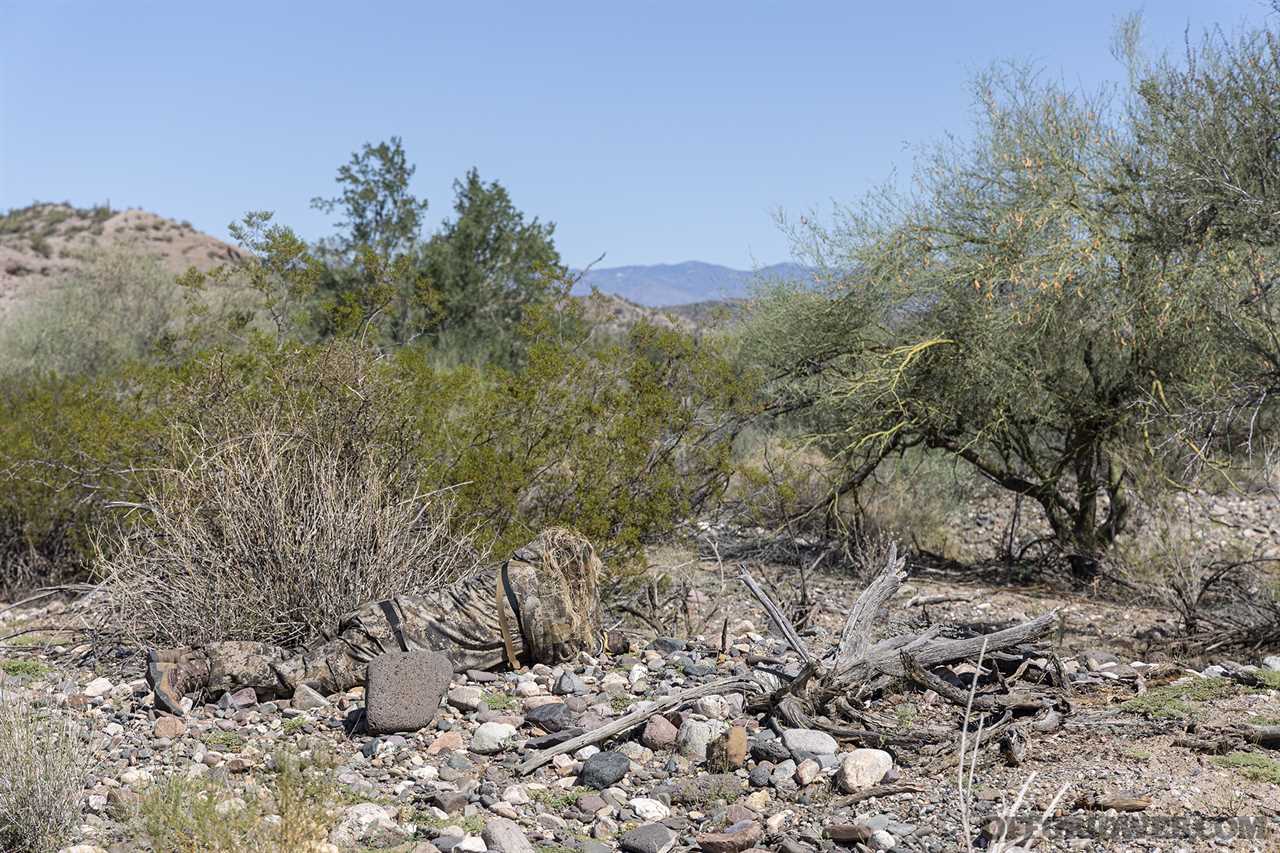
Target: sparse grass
621, 703
499, 701
186, 816
1178, 701
1136, 754
1270, 678
224, 741
471, 825
19, 668
43, 762
557, 799
1251, 765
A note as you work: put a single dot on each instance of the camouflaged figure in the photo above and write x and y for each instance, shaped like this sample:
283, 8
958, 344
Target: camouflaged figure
540, 606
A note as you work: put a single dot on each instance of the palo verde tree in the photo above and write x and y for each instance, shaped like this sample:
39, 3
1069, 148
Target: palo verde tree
1017, 310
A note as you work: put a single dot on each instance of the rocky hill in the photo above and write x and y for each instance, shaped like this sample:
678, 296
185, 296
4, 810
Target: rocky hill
665, 285
43, 242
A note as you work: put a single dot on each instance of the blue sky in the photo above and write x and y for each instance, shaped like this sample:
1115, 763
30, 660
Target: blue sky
651, 132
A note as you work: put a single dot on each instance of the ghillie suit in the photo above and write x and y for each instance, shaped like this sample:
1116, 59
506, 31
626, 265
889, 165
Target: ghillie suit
540, 606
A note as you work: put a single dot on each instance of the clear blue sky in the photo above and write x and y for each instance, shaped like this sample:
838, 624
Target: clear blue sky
650, 131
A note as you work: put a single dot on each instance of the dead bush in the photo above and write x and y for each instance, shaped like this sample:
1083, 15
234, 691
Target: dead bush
274, 536
43, 762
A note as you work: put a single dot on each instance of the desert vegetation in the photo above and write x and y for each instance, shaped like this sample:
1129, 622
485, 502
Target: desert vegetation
1049, 362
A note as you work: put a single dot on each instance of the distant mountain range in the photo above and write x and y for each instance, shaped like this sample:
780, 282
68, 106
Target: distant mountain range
661, 285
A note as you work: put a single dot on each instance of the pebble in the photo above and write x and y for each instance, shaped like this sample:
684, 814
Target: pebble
863, 768
492, 737
648, 838
603, 769
809, 741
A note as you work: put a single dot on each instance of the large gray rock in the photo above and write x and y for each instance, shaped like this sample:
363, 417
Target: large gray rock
403, 690
647, 838
504, 836
803, 742
695, 736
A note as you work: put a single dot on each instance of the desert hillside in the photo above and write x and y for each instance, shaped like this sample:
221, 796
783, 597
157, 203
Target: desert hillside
42, 242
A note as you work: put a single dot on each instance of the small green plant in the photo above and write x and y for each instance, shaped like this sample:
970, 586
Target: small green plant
557, 799
1137, 754
293, 725
499, 701
224, 741
19, 668
1177, 701
621, 703
1251, 765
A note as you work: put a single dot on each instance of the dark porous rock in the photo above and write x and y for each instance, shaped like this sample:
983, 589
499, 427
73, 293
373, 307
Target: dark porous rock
667, 645
770, 749
647, 838
551, 717
403, 690
604, 769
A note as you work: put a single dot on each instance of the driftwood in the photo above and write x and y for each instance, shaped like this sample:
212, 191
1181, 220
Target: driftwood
819, 695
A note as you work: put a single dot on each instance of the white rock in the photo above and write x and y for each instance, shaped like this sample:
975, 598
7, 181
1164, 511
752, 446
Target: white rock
695, 736
649, 810
881, 839
863, 768
98, 687
364, 822
467, 698
492, 737
517, 795
472, 844
715, 707
136, 778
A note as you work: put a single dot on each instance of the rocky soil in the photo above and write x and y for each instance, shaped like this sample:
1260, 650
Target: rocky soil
713, 778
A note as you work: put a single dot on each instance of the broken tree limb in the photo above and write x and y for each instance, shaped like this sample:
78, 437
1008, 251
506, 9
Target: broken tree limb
635, 718
856, 636
779, 619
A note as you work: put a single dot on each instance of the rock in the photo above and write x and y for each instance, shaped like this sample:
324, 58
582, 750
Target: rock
307, 699
553, 717
715, 707
403, 690
97, 688
615, 685
808, 742
467, 698
491, 738
649, 810
734, 839
568, 684
504, 836
882, 839
807, 771
667, 645
516, 795
364, 823
168, 727
647, 838
769, 749
659, 734
760, 774
82, 848
136, 778
694, 737
863, 768
1271, 662
446, 742
604, 769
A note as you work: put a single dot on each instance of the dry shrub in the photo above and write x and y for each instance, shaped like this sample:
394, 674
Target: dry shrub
274, 536
43, 762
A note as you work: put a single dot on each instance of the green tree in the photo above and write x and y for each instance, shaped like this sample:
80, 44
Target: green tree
489, 266
370, 278
1018, 311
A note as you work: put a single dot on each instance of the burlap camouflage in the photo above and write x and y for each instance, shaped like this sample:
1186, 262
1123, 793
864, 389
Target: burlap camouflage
540, 606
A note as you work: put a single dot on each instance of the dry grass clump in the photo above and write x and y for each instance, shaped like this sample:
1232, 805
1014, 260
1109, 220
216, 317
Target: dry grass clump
43, 762
274, 536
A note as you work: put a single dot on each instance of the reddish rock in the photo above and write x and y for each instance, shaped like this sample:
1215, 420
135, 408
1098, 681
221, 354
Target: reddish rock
735, 839
451, 741
659, 734
168, 727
